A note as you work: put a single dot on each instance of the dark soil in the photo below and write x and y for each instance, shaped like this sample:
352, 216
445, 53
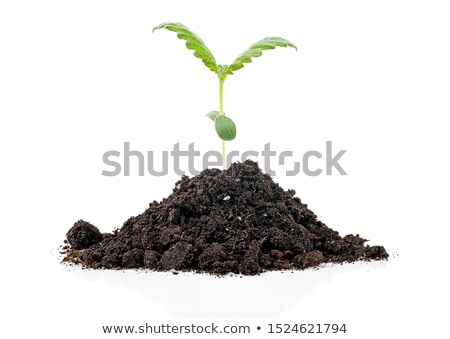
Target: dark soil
237, 220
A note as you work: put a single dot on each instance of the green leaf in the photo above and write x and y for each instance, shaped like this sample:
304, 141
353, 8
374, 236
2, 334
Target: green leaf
192, 42
213, 115
222, 71
256, 50
225, 128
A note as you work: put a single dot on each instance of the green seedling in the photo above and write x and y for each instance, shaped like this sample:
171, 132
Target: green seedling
225, 127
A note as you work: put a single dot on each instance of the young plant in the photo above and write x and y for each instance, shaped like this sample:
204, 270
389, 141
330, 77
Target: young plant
225, 127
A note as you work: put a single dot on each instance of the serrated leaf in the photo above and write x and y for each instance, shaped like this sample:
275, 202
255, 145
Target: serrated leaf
213, 115
222, 71
192, 42
256, 50
225, 128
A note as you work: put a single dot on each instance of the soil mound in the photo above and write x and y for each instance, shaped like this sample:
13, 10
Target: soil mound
237, 220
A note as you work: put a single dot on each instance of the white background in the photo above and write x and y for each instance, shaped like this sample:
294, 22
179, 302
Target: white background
78, 78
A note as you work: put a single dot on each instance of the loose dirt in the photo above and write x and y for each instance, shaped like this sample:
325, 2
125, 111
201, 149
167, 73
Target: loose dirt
237, 220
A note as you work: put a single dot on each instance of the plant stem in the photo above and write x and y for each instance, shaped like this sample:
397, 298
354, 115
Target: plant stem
221, 96
224, 158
